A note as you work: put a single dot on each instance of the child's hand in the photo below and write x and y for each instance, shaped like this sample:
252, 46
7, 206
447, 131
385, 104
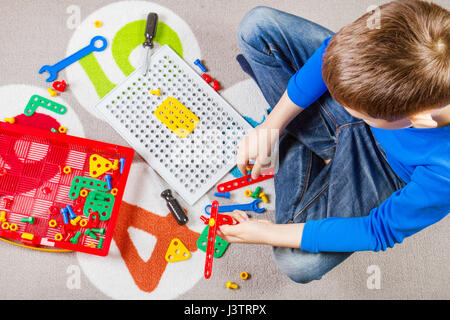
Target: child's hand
248, 230
257, 145
260, 231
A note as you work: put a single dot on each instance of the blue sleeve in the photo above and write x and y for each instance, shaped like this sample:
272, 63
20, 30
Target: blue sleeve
422, 202
307, 85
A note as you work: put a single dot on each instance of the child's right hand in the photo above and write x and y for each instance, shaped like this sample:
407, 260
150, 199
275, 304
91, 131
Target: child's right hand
255, 149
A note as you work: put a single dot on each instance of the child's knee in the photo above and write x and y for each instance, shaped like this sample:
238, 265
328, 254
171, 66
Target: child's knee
299, 267
252, 23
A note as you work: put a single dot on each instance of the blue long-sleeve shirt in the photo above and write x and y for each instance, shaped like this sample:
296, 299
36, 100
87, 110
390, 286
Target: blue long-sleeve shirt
420, 157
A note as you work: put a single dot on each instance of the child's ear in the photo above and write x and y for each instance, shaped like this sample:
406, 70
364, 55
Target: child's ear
423, 120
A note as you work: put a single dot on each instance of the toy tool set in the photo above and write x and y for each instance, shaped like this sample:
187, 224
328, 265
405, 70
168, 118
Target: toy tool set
49, 196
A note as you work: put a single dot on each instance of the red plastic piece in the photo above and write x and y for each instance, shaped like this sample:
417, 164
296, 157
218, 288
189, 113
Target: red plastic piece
221, 219
216, 85
93, 220
215, 221
211, 240
242, 182
206, 77
7, 203
59, 85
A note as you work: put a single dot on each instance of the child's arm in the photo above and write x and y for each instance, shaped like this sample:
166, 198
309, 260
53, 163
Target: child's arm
259, 231
267, 133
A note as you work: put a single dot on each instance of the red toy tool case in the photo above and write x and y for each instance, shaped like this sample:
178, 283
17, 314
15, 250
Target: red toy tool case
38, 170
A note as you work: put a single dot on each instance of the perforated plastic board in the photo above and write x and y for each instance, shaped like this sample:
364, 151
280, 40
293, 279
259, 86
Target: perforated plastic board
33, 182
190, 165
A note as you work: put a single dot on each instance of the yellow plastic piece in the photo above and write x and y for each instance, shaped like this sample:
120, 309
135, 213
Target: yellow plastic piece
83, 223
231, 285
84, 193
52, 92
13, 227
27, 236
67, 169
10, 120
114, 191
62, 129
115, 165
263, 197
177, 251
248, 193
212, 222
3, 216
58, 237
156, 92
90, 245
179, 119
244, 275
98, 24
99, 165
52, 223
75, 221
5, 225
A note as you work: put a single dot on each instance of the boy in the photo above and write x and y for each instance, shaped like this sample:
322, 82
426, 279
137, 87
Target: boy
364, 159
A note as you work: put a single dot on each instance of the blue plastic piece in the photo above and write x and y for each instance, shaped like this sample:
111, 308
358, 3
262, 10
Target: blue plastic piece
122, 164
64, 214
199, 64
72, 215
223, 195
252, 206
53, 70
108, 181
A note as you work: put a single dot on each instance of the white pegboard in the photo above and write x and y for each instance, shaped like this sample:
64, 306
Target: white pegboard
191, 165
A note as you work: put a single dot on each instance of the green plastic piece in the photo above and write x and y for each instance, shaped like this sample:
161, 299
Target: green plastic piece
255, 195
38, 101
30, 220
74, 239
100, 202
79, 183
99, 231
53, 130
89, 232
220, 246
100, 243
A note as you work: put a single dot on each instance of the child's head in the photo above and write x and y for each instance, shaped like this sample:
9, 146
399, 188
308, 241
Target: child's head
390, 73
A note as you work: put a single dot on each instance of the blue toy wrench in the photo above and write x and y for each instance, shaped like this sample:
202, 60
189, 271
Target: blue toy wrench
53, 70
252, 206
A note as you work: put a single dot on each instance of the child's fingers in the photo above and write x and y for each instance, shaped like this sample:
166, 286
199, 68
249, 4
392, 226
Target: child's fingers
239, 216
242, 156
256, 170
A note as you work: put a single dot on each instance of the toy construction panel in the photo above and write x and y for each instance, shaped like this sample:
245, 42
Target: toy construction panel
191, 162
36, 175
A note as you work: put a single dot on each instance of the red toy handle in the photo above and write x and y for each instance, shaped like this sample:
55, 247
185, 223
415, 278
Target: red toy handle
242, 182
211, 239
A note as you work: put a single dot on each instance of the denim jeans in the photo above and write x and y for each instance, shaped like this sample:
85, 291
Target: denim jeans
357, 179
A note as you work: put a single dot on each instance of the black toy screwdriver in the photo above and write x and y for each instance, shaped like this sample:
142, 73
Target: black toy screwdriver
150, 32
175, 207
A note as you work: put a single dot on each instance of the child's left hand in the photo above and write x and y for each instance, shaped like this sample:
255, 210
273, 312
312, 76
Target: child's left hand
260, 231
247, 230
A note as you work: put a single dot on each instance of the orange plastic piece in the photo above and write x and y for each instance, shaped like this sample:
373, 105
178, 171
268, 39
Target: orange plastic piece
99, 165
179, 119
177, 251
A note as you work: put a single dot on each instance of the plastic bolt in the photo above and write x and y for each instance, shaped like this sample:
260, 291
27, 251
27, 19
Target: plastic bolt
231, 285
199, 64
